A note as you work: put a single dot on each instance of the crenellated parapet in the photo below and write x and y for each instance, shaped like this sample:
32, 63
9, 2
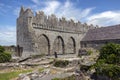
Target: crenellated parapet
40, 18
51, 22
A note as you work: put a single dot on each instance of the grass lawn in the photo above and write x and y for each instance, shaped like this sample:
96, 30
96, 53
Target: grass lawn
13, 74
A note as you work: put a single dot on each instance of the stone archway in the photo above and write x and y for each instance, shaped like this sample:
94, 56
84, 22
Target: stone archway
43, 44
58, 45
71, 46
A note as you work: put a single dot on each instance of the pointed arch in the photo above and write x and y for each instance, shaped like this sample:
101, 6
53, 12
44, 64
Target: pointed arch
71, 45
43, 44
58, 45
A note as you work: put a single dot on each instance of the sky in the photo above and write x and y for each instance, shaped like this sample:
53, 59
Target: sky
97, 12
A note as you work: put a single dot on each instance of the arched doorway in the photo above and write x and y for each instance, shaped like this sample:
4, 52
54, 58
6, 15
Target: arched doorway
58, 45
43, 44
71, 47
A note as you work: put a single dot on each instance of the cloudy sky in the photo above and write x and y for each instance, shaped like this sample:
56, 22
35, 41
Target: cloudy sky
97, 12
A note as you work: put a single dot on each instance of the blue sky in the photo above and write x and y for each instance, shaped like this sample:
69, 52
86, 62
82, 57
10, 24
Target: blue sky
97, 12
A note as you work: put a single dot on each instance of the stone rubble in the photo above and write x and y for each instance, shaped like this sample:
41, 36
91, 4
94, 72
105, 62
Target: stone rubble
49, 71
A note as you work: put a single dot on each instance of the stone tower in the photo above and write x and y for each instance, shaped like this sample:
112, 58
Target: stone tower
24, 30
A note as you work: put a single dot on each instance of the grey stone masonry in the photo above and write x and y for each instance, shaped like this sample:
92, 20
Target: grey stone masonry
42, 34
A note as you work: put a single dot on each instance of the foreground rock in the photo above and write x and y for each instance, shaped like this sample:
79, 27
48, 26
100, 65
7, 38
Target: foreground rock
47, 75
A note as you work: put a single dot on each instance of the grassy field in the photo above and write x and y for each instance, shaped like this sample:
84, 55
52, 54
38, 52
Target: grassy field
13, 74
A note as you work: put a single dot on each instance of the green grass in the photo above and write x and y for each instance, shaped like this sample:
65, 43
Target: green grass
40, 69
61, 63
72, 77
13, 74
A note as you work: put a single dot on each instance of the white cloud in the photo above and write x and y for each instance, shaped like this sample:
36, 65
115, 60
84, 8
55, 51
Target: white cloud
51, 6
7, 35
36, 1
67, 9
105, 18
86, 12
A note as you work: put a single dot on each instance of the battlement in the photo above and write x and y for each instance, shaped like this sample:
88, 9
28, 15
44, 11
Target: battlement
51, 22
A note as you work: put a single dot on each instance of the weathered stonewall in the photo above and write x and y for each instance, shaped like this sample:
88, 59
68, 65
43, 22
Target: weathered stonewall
41, 34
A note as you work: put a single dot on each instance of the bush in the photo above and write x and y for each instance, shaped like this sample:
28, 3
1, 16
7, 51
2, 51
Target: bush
109, 70
108, 61
89, 52
84, 68
1, 49
4, 56
61, 63
111, 53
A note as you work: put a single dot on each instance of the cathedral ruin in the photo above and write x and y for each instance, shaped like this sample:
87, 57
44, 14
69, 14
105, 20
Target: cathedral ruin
41, 34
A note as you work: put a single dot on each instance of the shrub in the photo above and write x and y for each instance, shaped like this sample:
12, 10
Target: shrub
89, 52
109, 70
4, 56
84, 68
108, 61
61, 63
111, 59
110, 51
1, 49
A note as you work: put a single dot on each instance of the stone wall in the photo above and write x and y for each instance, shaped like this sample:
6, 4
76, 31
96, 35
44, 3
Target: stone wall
41, 34
97, 44
60, 24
